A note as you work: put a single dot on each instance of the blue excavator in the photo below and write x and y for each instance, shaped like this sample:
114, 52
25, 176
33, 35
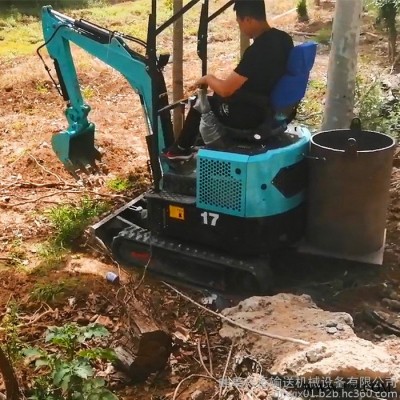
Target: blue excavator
213, 221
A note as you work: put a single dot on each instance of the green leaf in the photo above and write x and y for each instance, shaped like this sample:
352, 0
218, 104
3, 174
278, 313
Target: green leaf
107, 395
32, 352
98, 353
42, 362
93, 330
59, 373
83, 370
65, 382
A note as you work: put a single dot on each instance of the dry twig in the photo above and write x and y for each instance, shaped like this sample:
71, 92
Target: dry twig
46, 170
239, 325
221, 385
209, 351
176, 395
201, 359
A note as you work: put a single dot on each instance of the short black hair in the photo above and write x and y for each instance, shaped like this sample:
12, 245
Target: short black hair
250, 8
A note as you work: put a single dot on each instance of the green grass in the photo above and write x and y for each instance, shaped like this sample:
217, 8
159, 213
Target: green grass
47, 292
119, 184
323, 36
54, 291
311, 108
21, 32
69, 221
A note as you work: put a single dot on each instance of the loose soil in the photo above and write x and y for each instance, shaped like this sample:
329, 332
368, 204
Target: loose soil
33, 180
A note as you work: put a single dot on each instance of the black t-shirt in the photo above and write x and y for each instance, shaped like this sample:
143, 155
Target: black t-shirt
263, 63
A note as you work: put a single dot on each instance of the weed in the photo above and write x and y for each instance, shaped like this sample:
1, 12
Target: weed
87, 92
311, 108
17, 255
323, 36
52, 257
10, 328
69, 221
377, 110
70, 374
42, 88
119, 184
47, 292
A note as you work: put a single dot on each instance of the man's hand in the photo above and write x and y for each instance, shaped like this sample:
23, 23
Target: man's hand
202, 82
223, 87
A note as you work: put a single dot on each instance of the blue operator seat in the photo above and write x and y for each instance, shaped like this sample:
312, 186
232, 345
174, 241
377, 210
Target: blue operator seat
291, 88
285, 96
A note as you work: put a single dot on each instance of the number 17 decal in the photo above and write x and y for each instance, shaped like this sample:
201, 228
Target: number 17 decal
209, 218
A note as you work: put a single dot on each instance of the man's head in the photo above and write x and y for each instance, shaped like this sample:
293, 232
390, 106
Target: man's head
251, 16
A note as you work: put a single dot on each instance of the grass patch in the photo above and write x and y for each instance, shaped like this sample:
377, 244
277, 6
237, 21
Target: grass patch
47, 292
21, 32
311, 108
69, 221
52, 292
119, 184
379, 110
17, 254
323, 36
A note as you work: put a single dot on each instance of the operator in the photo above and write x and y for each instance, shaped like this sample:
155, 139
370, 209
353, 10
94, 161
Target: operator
241, 99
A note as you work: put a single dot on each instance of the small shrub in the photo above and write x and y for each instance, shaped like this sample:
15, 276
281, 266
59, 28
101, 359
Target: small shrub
47, 292
302, 13
378, 110
70, 221
119, 184
68, 372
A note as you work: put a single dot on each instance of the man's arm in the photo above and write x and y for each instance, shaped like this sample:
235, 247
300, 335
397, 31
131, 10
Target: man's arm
223, 87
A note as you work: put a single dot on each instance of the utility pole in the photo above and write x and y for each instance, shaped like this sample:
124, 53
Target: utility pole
342, 68
177, 68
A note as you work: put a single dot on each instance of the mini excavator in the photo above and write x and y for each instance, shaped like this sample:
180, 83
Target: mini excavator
217, 223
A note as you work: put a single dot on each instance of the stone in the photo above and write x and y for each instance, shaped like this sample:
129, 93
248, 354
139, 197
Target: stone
331, 324
331, 330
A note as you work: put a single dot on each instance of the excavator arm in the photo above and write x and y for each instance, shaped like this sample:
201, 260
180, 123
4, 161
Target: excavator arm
75, 146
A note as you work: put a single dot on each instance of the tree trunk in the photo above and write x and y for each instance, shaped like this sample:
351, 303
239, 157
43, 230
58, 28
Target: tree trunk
177, 69
145, 347
342, 69
11, 383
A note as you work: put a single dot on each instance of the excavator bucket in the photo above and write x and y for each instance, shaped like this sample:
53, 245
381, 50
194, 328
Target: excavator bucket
76, 151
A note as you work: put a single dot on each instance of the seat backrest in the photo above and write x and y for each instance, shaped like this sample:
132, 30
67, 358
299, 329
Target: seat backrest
291, 88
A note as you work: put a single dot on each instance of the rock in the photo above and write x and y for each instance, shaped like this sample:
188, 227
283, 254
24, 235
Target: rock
197, 395
333, 350
353, 357
316, 354
284, 314
331, 330
378, 329
393, 304
331, 324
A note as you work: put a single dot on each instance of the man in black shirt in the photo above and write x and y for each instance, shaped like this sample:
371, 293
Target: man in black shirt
239, 100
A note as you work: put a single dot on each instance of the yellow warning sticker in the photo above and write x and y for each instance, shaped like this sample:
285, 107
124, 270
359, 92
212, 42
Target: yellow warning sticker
177, 212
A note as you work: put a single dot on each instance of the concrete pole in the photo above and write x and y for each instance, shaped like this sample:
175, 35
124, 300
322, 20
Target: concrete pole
342, 68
